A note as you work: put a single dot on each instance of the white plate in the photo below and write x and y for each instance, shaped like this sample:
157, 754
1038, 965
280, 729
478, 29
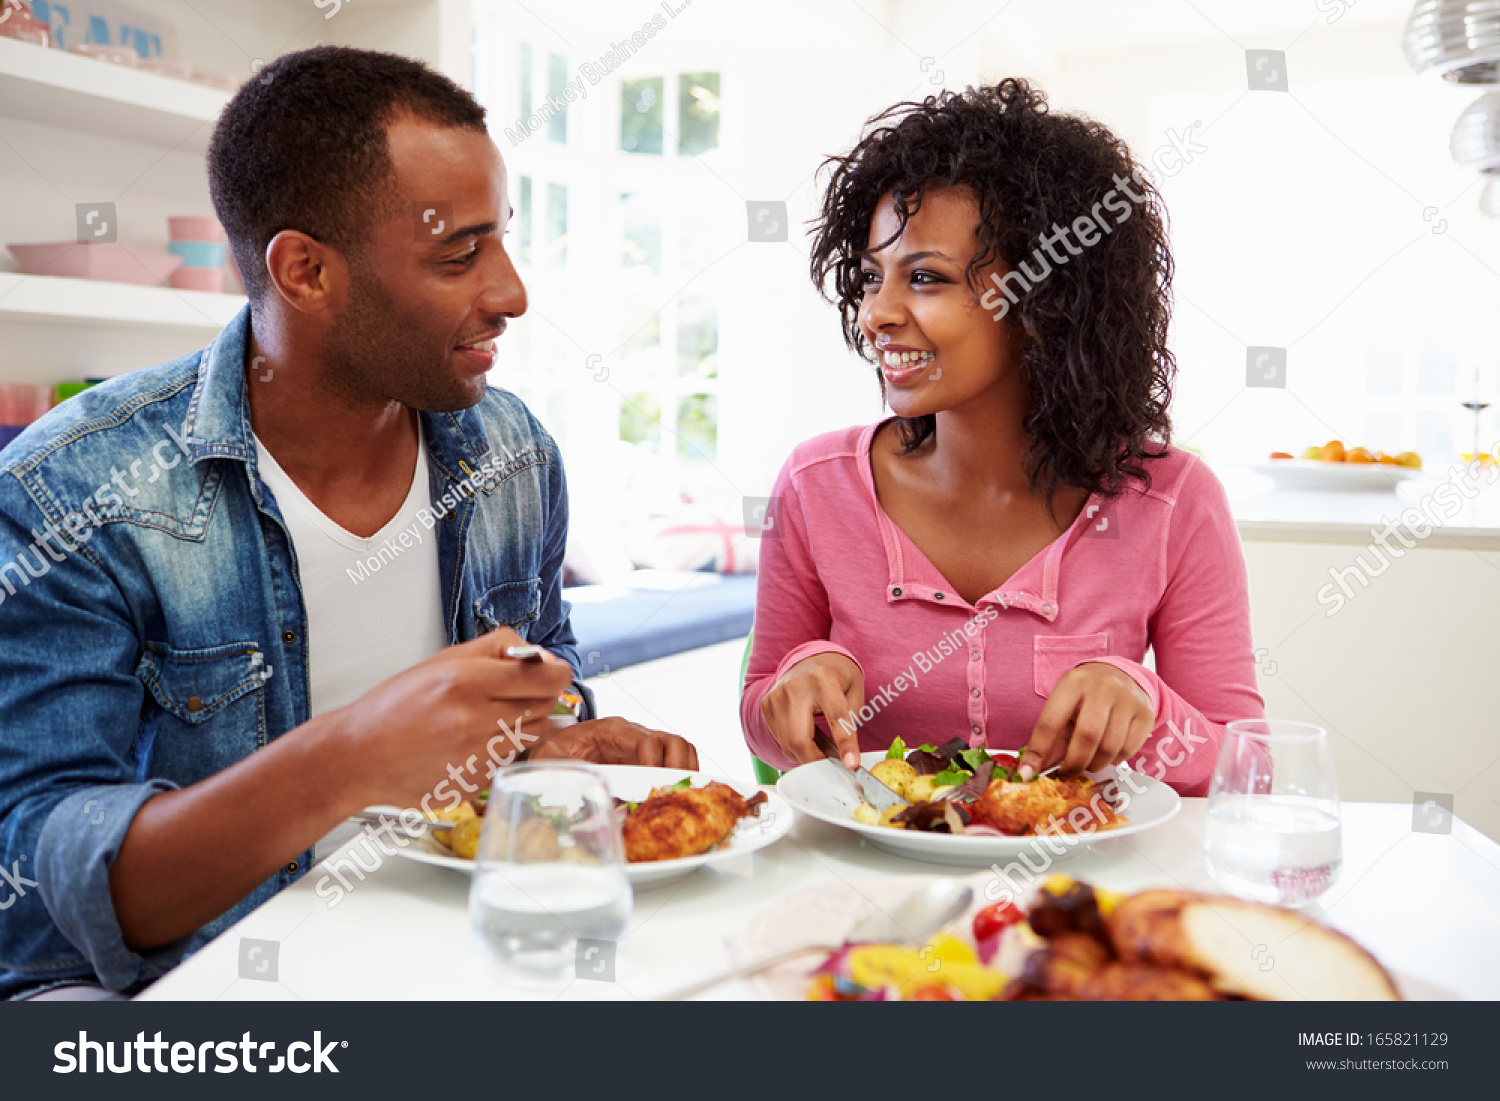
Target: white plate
825, 791
826, 913
633, 783
1313, 475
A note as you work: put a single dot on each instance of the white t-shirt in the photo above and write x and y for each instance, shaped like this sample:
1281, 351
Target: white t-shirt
374, 606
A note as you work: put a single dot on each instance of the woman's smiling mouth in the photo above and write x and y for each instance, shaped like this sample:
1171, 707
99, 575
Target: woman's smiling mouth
900, 366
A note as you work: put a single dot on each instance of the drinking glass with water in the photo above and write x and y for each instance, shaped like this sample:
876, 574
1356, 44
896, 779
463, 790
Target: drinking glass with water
1273, 813
550, 868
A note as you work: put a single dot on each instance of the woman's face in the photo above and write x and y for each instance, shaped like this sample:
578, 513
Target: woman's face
936, 347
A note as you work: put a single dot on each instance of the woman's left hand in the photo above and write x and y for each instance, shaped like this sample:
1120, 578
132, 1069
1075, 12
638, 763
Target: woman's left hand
1096, 716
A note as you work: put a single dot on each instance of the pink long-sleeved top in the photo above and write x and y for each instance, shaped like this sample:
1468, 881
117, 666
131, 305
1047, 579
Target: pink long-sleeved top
1158, 568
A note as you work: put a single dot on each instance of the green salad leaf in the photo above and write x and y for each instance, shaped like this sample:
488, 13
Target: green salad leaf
951, 775
927, 747
897, 752
973, 757
683, 784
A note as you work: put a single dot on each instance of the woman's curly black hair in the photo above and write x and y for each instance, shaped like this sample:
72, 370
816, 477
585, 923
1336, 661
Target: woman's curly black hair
1096, 362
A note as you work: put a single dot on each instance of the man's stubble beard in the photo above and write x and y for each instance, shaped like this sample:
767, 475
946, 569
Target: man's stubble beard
375, 353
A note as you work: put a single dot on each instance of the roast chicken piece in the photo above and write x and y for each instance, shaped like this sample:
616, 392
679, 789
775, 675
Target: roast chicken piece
1016, 809
1144, 982
669, 824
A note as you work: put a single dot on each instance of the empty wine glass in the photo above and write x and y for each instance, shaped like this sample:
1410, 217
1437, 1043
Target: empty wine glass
550, 869
1273, 832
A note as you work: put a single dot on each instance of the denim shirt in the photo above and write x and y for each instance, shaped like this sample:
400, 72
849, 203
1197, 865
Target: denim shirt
153, 631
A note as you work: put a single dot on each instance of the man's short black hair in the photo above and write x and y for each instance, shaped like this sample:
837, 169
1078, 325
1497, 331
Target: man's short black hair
303, 146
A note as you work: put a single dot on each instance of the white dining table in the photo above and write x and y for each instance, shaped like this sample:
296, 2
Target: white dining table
1426, 904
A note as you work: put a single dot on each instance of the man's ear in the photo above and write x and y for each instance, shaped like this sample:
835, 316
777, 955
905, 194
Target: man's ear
309, 275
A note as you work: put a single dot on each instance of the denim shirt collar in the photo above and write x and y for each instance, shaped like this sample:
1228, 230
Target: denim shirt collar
218, 418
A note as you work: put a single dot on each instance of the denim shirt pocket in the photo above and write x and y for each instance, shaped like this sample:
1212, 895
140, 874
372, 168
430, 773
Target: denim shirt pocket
513, 604
195, 687
1054, 655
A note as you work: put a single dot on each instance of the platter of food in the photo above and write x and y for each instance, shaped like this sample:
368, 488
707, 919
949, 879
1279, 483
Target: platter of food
1003, 816
1339, 469
1064, 940
673, 822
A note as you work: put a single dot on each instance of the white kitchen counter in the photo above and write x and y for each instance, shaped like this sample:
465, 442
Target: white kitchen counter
1267, 514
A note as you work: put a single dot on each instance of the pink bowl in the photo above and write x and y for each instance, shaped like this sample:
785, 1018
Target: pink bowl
115, 263
196, 229
198, 279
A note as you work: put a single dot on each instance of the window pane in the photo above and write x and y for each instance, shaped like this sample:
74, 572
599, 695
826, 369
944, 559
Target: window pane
697, 338
698, 427
557, 223
640, 354
525, 81
640, 221
698, 112
641, 115
524, 230
640, 420
557, 80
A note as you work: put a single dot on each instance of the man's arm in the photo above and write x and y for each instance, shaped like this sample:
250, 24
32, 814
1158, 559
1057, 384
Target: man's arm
192, 854
553, 628
125, 865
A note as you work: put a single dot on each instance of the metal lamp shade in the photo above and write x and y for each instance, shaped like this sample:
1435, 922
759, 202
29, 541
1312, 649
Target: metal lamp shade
1489, 198
1476, 135
1458, 38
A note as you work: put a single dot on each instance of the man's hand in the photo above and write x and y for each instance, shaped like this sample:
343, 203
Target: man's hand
1096, 716
825, 684
454, 710
617, 741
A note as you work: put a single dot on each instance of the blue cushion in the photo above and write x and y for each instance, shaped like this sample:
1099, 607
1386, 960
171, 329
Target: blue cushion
644, 624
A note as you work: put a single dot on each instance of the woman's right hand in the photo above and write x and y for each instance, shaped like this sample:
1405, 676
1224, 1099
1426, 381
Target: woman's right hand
830, 685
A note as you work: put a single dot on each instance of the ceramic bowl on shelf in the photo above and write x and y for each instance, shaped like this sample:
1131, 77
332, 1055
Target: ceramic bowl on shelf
188, 228
198, 254
197, 279
114, 263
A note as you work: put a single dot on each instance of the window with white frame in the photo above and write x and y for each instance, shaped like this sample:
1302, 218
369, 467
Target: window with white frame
633, 295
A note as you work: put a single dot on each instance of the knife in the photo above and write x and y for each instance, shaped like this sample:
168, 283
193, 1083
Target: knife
871, 790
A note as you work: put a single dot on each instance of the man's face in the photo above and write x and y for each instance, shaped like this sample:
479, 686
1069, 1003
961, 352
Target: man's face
433, 287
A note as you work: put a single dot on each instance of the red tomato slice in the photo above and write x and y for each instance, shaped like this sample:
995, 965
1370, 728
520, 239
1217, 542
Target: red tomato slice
990, 921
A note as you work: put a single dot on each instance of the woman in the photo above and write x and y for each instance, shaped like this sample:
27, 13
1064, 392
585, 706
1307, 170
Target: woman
996, 559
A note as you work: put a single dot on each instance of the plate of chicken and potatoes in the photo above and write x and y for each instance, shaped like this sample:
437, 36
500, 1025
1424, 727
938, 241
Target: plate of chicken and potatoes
673, 822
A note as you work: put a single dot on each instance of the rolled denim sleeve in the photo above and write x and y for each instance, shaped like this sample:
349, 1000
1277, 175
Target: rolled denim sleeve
78, 843
70, 750
554, 630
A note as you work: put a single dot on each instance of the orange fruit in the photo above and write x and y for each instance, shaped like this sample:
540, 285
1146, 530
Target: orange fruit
1333, 451
1358, 455
1281, 454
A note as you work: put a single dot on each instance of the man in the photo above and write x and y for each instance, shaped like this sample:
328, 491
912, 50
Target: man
248, 593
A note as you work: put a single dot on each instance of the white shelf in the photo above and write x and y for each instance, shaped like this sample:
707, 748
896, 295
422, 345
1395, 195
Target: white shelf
80, 93
91, 302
